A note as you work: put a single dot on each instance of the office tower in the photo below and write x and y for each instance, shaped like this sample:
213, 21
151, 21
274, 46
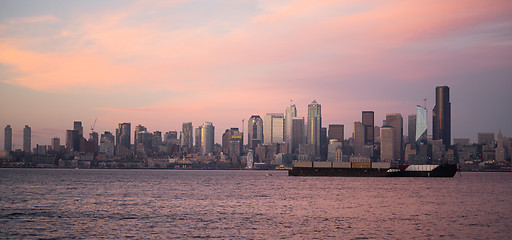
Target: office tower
411, 129
72, 141
396, 121
232, 144
337, 131
486, 138
297, 134
94, 142
136, 137
198, 133
157, 141
368, 122
358, 138
77, 125
387, 148
107, 144
226, 139
207, 137
376, 133
55, 144
123, 135
290, 113
27, 139
273, 128
255, 131
8, 138
170, 136
324, 144
186, 136
421, 125
144, 144
314, 126
500, 151
441, 116
334, 152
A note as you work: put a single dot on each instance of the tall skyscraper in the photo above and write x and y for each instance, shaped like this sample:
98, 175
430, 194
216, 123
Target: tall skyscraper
411, 129
421, 125
77, 125
8, 138
186, 136
55, 144
441, 116
273, 128
123, 135
207, 137
72, 141
137, 140
27, 139
387, 148
290, 113
314, 126
297, 134
337, 131
255, 131
396, 121
368, 122
198, 133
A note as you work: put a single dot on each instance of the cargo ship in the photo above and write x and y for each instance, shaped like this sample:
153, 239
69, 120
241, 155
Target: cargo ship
370, 169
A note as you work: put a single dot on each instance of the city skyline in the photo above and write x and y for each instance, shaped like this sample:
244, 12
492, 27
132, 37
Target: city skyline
160, 64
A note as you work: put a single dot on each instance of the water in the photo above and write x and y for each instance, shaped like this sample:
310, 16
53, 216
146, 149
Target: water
141, 204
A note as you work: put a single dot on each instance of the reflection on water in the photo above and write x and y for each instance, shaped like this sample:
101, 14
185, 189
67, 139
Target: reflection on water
61, 203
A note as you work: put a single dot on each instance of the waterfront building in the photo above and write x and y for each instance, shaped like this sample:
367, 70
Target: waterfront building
395, 121
290, 113
27, 139
314, 127
441, 116
8, 138
255, 131
368, 123
207, 138
387, 148
273, 128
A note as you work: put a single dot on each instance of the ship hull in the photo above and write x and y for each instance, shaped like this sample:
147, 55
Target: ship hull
445, 170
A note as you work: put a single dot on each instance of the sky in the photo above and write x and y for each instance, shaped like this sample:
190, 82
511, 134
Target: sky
160, 63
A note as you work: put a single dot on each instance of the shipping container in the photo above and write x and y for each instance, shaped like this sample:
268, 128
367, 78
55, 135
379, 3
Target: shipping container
341, 165
303, 164
381, 164
322, 164
361, 165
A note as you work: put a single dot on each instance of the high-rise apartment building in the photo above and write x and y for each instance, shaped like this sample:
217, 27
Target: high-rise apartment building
255, 131
368, 122
421, 125
207, 137
314, 126
77, 126
186, 137
123, 135
396, 121
273, 128
8, 138
107, 144
290, 113
441, 116
27, 139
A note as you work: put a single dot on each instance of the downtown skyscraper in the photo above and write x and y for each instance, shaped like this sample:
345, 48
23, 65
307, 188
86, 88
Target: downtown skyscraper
8, 138
186, 137
290, 113
441, 116
314, 126
255, 131
27, 139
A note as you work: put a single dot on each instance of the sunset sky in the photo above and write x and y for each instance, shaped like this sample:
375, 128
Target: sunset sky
162, 63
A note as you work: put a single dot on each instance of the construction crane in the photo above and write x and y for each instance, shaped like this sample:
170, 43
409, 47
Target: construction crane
93, 125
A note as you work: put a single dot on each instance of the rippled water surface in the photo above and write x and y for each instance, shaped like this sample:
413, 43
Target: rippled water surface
68, 203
